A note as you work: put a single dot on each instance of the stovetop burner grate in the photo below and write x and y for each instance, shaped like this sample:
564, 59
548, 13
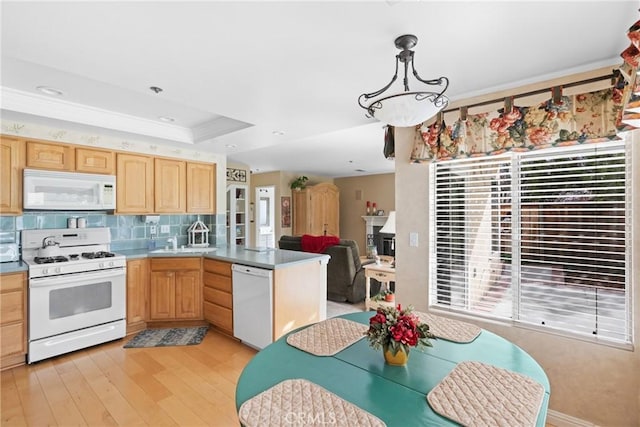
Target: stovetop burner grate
99, 254
50, 259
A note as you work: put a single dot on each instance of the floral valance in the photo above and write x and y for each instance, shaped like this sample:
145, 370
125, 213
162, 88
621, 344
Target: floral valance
559, 121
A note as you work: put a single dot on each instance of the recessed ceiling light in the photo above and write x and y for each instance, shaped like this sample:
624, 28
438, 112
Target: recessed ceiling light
167, 119
278, 132
359, 170
231, 146
47, 90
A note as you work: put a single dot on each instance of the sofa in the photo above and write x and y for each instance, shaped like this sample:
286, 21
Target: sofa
345, 275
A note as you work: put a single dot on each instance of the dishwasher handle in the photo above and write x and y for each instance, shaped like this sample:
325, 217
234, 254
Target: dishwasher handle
252, 271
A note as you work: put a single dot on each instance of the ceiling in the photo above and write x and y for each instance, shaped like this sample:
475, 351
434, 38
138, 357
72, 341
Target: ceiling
274, 85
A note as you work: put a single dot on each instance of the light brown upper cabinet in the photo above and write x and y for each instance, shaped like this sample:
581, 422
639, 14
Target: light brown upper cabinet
201, 188
170, 186
12, 160
51, 156
95, 161
134, 184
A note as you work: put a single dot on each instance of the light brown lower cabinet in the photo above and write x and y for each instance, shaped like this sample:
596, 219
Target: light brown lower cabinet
137, 277
218, 298
13, 322
175, 289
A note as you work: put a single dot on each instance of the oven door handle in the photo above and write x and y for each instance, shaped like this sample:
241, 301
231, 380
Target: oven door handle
70, 279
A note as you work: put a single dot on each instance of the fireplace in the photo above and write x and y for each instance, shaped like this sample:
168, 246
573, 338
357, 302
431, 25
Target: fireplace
382, 242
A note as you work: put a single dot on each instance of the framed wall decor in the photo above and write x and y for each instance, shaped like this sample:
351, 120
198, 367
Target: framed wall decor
236, 175
285, 210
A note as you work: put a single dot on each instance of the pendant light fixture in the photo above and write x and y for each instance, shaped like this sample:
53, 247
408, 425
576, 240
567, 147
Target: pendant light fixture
408, 107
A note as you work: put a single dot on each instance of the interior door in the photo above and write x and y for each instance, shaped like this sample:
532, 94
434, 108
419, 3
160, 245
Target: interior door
265, 216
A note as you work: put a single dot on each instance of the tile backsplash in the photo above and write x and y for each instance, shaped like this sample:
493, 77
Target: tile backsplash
127, 231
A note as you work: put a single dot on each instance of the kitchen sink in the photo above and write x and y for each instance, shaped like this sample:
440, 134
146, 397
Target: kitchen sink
182, 251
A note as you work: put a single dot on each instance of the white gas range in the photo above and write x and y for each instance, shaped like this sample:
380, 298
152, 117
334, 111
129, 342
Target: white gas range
77, 290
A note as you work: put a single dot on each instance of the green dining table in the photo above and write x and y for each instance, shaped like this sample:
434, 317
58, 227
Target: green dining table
396, 395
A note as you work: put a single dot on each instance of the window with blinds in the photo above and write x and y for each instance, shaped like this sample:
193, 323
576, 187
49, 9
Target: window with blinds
539, 238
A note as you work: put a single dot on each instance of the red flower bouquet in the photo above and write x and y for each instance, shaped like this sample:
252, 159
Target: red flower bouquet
393, 328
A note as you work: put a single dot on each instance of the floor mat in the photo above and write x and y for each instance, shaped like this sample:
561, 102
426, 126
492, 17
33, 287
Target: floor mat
168, 337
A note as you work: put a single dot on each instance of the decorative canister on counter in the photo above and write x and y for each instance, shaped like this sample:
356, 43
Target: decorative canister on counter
72, 222
82, 222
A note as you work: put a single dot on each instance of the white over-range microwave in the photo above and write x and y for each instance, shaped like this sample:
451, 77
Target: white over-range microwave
52, 190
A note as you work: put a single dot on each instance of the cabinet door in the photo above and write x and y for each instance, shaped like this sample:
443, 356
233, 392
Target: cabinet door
12, 152
331, 211
13, 326
134, 180
188, 295
300, 212
136, 294
162, 298
94, 161
50, 156
201, 188
316, 213
170, 186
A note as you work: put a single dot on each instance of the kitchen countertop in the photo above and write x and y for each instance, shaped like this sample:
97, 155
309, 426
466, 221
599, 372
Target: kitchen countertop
270, 259
13, 267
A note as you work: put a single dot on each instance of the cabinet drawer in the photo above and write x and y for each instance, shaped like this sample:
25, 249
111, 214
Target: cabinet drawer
12, 282
218, 297
217, 281
219, 316
173, 264
382, 276
11, 307
12, 339
219, 267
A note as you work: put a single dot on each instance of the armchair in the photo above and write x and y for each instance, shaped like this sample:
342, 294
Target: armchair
345, 275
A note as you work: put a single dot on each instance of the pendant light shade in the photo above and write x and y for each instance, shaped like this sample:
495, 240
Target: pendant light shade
406, 107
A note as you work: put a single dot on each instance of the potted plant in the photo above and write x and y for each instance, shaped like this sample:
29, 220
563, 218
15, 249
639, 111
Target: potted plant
299, 183
388, 295
395, 331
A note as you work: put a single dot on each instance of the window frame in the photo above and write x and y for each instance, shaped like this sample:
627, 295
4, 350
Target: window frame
628, 342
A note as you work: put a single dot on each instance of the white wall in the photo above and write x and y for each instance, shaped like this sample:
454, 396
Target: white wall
591, 382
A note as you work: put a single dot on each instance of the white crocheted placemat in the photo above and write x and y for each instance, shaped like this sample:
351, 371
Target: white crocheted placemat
328, 337
450, 329
477, 394
300, 402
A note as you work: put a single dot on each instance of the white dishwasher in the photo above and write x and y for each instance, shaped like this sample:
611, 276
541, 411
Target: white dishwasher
252, 305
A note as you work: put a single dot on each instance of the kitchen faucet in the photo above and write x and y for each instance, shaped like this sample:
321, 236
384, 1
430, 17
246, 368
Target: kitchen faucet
174, 242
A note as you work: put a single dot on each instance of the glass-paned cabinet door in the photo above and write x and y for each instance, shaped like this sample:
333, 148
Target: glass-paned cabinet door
237, 215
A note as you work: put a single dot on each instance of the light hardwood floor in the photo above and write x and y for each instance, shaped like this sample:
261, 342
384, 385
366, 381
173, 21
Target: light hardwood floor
109, 385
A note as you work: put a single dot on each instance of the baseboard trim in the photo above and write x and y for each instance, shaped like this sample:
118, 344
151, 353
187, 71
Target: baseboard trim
558, 419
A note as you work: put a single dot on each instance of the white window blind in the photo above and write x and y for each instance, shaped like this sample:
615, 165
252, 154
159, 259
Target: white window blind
540, 238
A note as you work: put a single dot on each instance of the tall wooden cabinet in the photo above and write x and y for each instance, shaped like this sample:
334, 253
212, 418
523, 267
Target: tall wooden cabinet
316, 210
12, 160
